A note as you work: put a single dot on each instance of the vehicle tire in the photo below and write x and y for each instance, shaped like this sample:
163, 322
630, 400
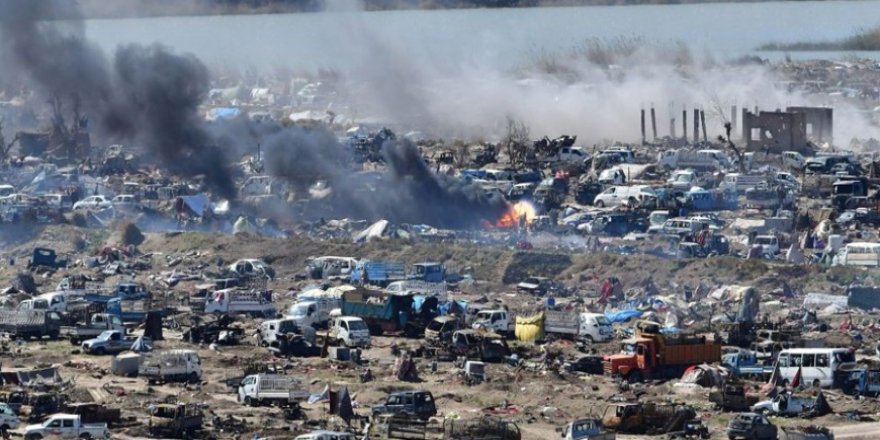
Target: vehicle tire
634, 377
731, 437
589, 339
785, 383
632, 202
85, 436
100, 351
817, 384
4, 429
192, 378
74, 341
600, 204
249, 401
34, 437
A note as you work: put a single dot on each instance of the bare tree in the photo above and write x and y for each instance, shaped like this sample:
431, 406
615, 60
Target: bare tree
462, 153
516, 142
739, 155
4, 147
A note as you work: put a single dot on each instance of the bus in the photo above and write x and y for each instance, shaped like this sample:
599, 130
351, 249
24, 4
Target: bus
820, 367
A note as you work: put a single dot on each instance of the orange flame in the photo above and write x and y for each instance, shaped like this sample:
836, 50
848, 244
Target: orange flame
517, 214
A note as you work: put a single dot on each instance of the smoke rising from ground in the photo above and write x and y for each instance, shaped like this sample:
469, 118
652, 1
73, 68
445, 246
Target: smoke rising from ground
595, 90
146, 95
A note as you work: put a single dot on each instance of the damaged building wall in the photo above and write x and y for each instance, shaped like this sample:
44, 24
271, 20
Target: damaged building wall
819, 122
774, 132
789, 130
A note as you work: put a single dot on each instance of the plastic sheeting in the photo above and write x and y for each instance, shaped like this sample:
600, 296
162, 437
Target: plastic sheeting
529, 328
622, 315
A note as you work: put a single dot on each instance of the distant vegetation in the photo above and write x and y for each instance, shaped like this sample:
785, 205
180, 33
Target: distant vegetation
865, 39
151, 8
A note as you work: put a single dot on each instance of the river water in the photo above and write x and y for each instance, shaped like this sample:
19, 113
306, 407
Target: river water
491, 37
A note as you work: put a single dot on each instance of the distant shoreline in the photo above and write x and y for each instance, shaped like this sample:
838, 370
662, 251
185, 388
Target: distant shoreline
99, 9
861, 40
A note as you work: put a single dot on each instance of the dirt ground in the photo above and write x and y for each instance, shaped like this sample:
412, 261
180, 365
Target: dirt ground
540, 399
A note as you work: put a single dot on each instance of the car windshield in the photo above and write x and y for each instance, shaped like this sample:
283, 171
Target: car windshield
299, 310
435, 326
764, 240
357, 325
603, 320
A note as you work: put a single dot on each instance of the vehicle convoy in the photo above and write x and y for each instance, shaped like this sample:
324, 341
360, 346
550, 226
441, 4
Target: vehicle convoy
97, 323
171, 365
586, 429
30, 323
109, 342
66, 426
176, 421
653, 355
415, 404
272, 389
389, 314
646, 418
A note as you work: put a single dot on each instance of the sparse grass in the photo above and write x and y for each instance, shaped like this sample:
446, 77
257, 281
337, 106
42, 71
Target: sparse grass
862, 39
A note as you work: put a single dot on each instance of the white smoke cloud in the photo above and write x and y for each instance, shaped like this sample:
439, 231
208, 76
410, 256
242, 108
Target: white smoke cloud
578, 97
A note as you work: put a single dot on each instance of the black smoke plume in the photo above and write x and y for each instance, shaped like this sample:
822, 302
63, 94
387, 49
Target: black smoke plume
147, 95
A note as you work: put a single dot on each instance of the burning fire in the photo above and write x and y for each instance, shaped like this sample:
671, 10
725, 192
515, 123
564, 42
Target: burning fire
518, 213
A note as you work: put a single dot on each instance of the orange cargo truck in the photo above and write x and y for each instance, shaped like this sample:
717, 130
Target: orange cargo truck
653, 355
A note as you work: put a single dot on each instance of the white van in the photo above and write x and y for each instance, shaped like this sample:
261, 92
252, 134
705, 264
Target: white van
619, 195
769, 244
818, 366
858, 254
314, 311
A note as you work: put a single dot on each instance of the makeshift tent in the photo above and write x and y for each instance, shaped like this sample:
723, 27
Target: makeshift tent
529, 328
376, 230
141, 345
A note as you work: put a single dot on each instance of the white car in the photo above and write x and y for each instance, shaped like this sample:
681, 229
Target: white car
252, 267
93, 202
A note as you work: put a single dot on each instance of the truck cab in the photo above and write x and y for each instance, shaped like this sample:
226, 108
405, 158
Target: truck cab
350, 331
272, 330
595, 327
495, 320
66, 426
429, 272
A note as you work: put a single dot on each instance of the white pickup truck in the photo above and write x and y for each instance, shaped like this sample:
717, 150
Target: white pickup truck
274, 389
172, 365
66, 426
498, 321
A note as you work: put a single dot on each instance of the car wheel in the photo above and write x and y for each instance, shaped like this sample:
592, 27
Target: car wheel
34, 437
100, 351
600, 204
85, 436
817, 384
193, 377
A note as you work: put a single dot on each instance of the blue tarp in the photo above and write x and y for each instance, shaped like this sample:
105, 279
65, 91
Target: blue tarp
622, 315
197, 203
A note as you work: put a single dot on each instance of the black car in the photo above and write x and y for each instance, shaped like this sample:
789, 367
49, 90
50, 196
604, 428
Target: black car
585, 364
618, 225
416, 404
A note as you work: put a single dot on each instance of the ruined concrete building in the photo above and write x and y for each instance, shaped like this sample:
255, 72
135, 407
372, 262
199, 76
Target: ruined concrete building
793, 129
